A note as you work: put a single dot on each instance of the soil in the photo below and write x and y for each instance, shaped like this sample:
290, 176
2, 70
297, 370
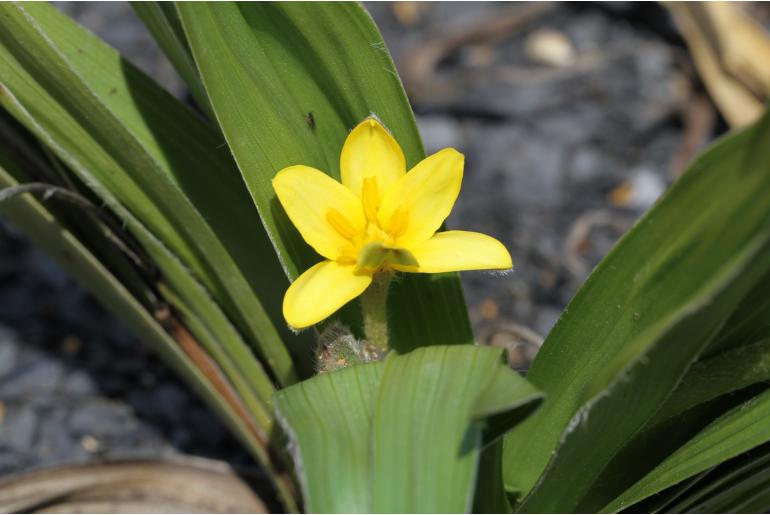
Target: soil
573, 120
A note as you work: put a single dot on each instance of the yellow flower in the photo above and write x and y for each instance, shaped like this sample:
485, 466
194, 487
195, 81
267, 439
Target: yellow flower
379, 218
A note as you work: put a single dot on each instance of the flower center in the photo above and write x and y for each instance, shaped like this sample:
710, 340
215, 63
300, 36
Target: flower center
373, 248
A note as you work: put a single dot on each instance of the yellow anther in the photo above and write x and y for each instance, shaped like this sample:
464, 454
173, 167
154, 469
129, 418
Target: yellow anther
340, 224
370, 197
397, 223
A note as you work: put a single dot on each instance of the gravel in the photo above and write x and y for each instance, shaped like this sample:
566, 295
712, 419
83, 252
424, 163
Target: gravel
75, 385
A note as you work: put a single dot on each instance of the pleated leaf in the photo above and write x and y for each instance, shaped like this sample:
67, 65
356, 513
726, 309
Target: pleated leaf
328, 419
404, 435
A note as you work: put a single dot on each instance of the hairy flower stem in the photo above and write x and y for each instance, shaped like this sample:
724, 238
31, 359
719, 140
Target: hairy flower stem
374, 305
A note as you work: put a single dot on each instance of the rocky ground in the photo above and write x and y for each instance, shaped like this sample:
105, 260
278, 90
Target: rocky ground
573, 120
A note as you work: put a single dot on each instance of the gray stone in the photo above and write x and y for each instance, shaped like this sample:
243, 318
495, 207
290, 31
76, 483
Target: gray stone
439, 132
18, 428
8, 356
546, 318
55, 441
78, 384
646, 187
102, 419
169, 400
41, 377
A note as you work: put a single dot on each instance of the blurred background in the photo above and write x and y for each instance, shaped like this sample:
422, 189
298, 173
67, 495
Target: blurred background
574, 118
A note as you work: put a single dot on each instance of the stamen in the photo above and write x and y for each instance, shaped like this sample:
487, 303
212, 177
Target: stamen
340, 224
370, 197
398, 222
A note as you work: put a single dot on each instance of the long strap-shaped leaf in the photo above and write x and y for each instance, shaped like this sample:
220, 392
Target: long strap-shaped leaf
287, 81
626, 406
53, 126
739, 430
749, 323
404, 436
723, 484
163, 22
645, 314
79, 147
158, 160
709, 389
174, 271
184, 357
719, 375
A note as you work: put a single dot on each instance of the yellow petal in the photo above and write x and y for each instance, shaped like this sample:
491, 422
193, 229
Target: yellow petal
319, 208
320, 291
454, 251
421, 200
370, 151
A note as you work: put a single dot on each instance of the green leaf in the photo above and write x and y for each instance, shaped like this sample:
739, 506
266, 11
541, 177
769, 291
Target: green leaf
170, 181
643, 317
606, 424
721, 479
695, 404
29, 215
737, 431
425, 457
710, 388
60, 129
162, 20
661, 503
489, 494
287, 81
157, 166
749, 324
719, 375
328, 422
403, 436
757, 501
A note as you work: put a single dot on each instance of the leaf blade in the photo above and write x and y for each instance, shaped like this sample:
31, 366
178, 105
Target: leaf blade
154, 159
325, 61
408, 436
332, 457
737, 431
36, 221
635, 297
162, 20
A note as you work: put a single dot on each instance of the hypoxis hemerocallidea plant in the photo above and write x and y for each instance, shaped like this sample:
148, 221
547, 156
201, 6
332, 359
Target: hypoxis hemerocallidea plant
654, 377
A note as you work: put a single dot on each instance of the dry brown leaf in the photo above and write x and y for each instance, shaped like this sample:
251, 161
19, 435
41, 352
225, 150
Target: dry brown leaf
181, 485
409, 13
731, 53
